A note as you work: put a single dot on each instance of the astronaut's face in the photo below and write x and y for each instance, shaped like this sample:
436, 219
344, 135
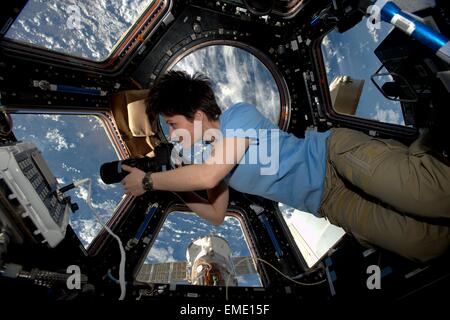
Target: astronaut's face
184, 130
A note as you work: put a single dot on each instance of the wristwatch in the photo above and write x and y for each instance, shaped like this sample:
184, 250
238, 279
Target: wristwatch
147, 182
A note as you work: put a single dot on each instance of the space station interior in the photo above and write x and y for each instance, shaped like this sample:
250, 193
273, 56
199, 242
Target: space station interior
321, 64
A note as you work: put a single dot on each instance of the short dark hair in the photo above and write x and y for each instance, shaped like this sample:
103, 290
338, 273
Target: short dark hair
178, 93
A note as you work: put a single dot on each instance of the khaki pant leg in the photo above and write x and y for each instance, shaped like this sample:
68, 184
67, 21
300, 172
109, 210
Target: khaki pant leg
408, 179
377, 225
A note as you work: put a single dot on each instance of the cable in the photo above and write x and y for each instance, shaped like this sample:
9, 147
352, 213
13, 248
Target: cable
73, 185
122, 250
262, 260
123, 256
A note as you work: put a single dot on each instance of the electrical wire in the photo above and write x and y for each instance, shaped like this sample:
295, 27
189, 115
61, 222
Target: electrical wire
123, 256
122, 250
274, 268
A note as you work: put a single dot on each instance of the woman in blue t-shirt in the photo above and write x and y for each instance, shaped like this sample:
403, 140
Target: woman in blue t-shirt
382, 192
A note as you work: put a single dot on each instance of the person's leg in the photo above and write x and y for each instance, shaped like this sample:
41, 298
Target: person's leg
378, 225
408, 179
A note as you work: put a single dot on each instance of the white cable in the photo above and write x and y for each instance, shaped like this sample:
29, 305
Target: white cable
80, 182
122, 250
262, 260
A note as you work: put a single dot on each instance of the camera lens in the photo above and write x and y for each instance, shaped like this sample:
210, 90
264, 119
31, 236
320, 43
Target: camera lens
111, 172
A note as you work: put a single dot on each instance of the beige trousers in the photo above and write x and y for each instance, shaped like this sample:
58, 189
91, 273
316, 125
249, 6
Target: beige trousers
388, 195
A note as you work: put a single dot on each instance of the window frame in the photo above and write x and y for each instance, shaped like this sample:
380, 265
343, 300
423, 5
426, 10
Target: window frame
111, 131
371, 125
285, 99
298, 249
132, 40
234, 213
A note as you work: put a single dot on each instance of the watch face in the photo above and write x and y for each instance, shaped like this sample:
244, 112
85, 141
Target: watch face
147, 183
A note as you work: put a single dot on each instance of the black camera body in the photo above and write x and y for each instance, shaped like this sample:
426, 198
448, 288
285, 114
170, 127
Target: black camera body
112, 172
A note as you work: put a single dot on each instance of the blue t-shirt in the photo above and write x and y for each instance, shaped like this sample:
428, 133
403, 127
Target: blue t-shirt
277, 165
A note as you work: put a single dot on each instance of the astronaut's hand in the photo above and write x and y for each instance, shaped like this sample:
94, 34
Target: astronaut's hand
132, 183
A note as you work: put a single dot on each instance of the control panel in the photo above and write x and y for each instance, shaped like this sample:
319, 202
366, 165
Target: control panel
29, 194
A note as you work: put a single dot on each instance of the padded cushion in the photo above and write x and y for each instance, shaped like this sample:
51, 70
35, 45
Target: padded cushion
138, 120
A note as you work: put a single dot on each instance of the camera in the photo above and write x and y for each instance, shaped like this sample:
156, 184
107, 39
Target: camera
112, 172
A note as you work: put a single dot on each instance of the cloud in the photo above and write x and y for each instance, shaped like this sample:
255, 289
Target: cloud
54, 117
109, 206
60, 180
87, 229
100, 25
326, 41
20, 127
242, 281
387, 115
375, 35
82, 193
238, 76
69, 168
104, 186
161, 254
57, 140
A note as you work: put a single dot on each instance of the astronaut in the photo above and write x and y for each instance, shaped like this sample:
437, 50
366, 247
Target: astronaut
382, 192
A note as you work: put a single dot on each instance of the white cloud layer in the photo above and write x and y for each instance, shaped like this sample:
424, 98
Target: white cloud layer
238, 76
161, 254
57, 140
387, 115
84, 28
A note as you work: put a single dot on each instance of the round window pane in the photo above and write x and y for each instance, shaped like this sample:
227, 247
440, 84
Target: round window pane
237, 76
